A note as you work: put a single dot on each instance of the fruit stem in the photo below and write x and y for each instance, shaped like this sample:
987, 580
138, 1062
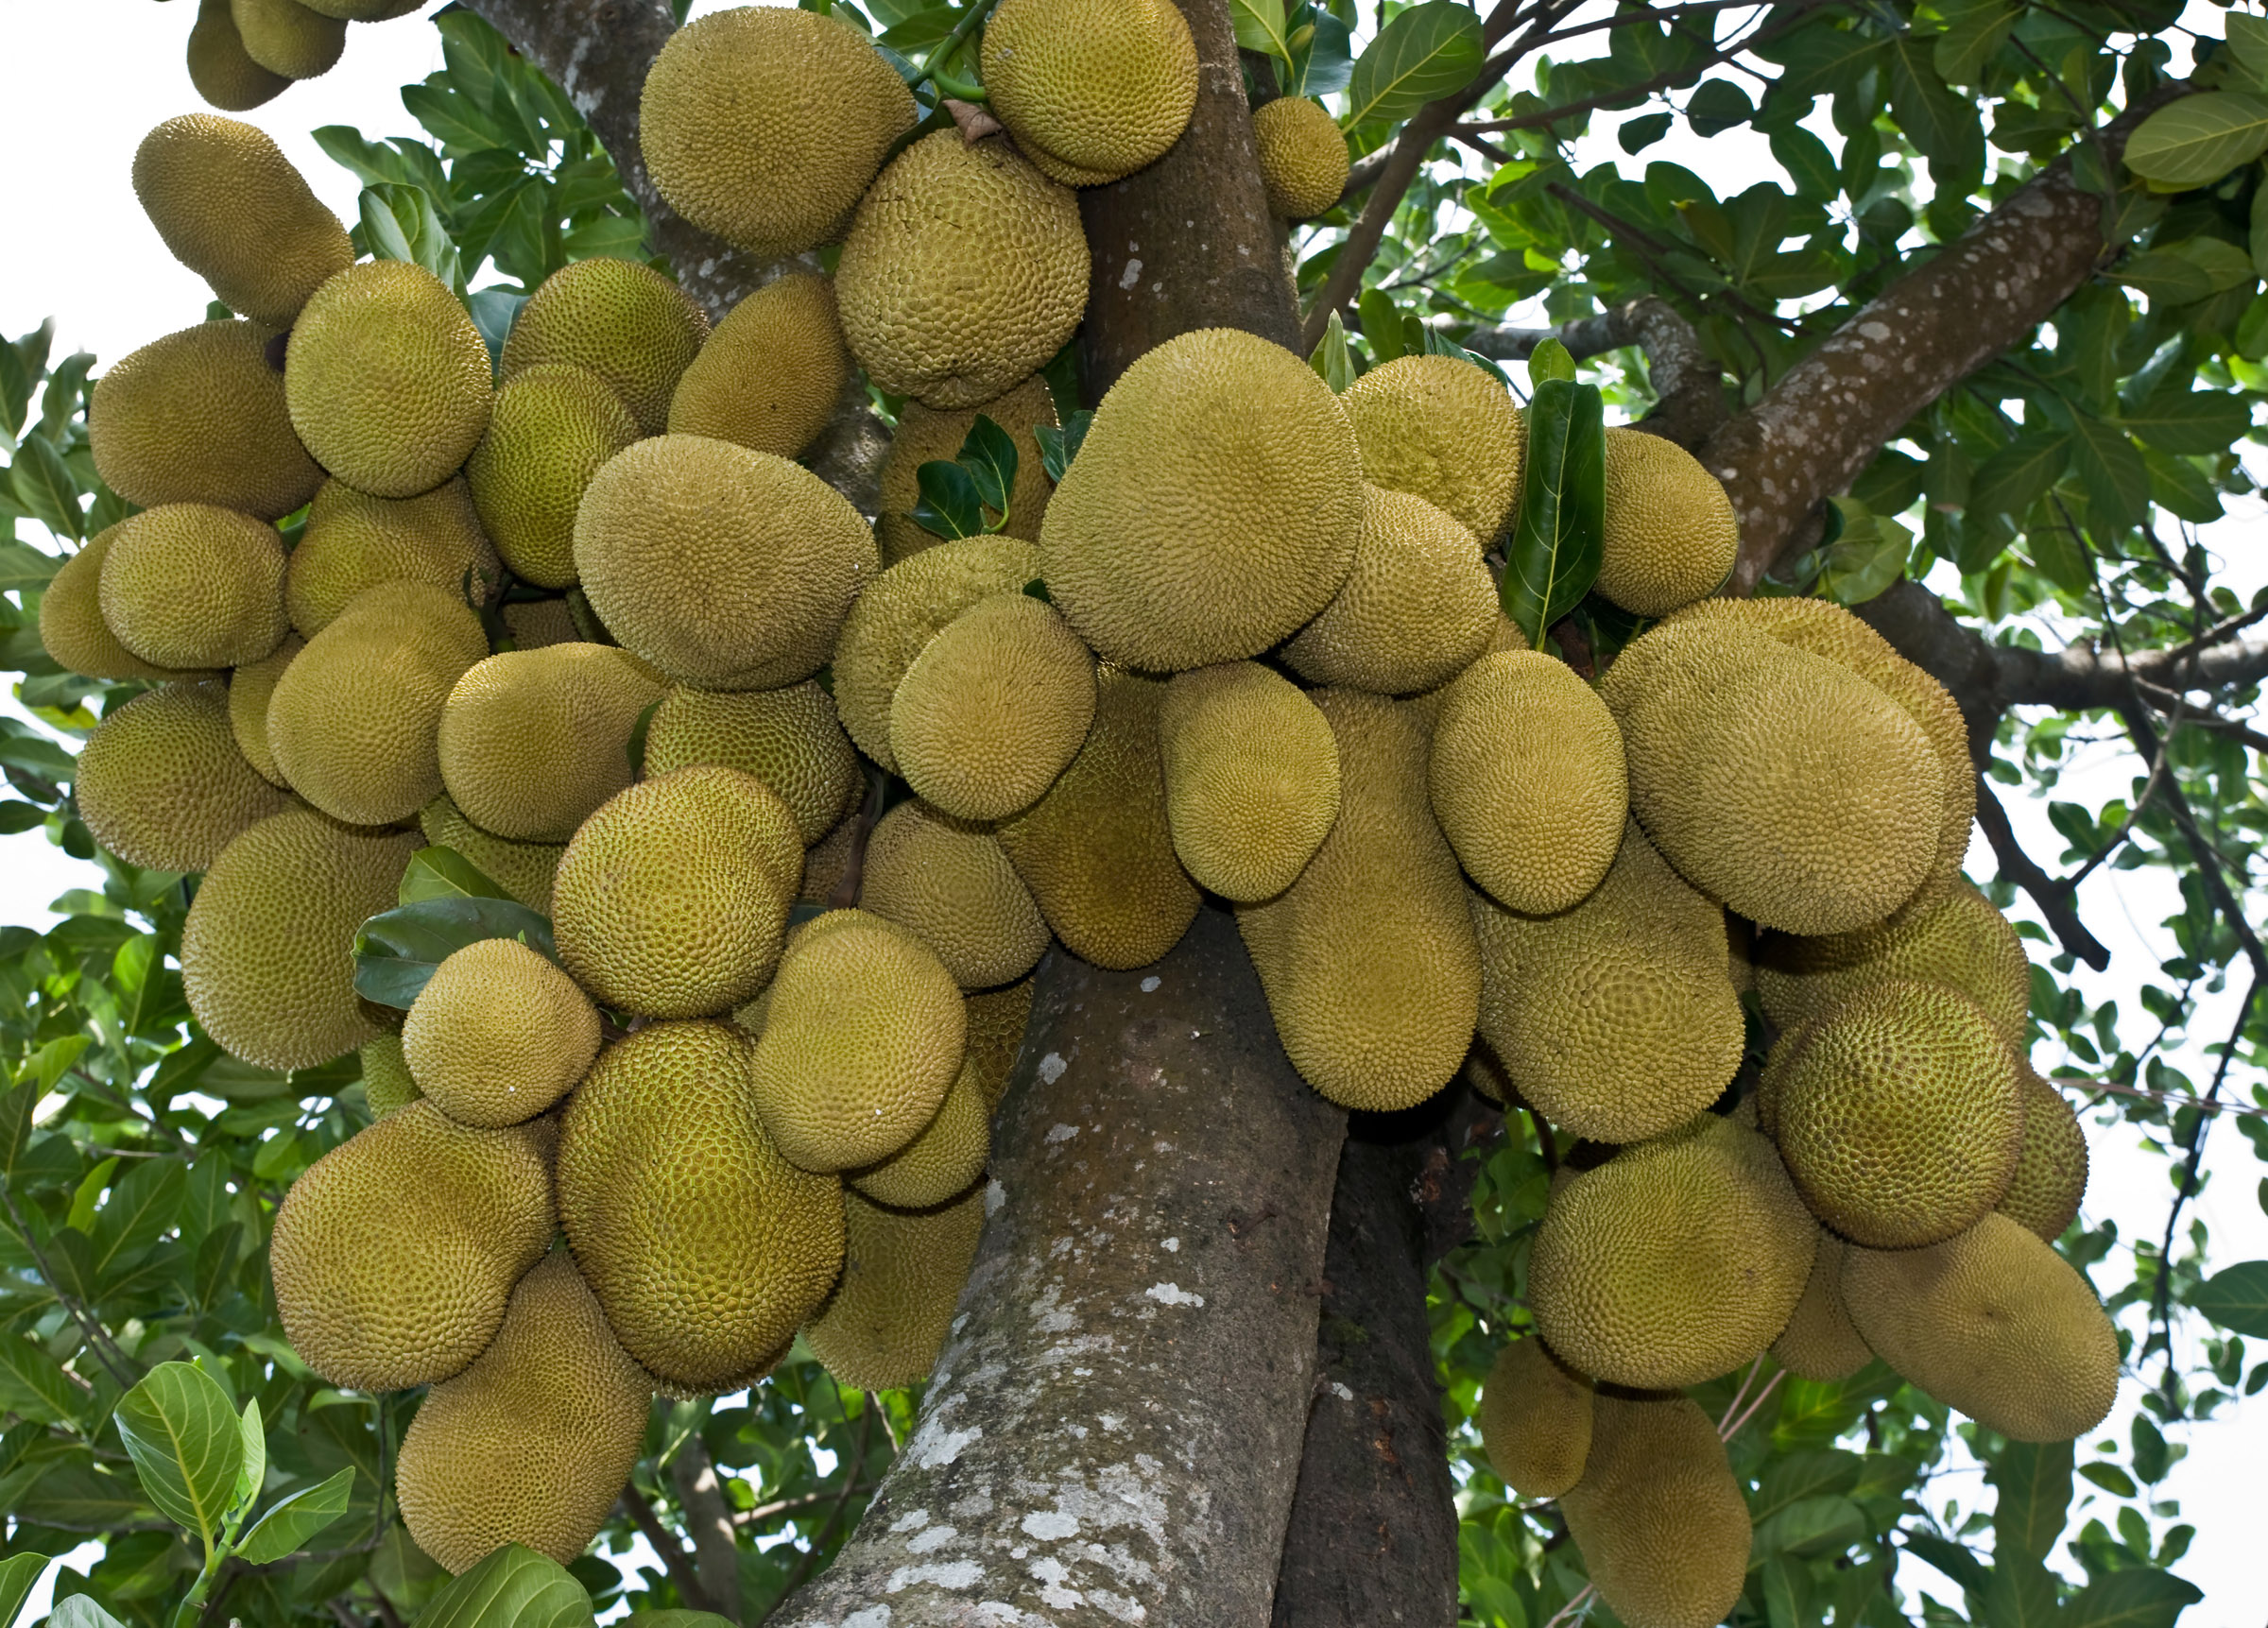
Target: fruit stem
934, 68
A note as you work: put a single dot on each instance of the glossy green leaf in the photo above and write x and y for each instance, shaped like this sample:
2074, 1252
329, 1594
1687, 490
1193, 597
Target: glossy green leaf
2021, 1594
44, 487
2110, 1477
19, 1575
1324, 63
2034, 1479
1554, 554
1425, 52
2138, 1599
401, 222
2166, 276
513, 1588
2197, 422
34, 1386
444, 873
186, 1441
989, 454
1974, 32
2019, 475
80, 1611
2248, 46
1259, 27
1868, 555
1057, 447
396, 953
2235, 1297
292, 1521
1550, 360
2198, 139
1334, 358
1636, 135
949, 505
252, 1473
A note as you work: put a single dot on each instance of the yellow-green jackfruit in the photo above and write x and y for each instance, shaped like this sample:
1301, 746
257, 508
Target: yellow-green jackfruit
941, 1161
534, 623
287, 38
2050, 1172
790, 739
1659, 1519
1669, 536
1303, 159
949, 884
198, 417
1100, 87
386, 1085
926, 434
71, 625
769, 376
522, 869
617, 319
161, 784
251, 688
232, 209
222, 71
1251, 777
1415, 610
1957, 939
994, 708
1535, 1419
885, 1323
186, 585
552, 427
499, 1033
1438, 427
533, 741
996, 1024
353, 541
1820, 1342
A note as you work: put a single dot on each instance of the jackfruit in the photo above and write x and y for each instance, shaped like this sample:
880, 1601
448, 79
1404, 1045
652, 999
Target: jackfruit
1957, 939
1614, 1020
232, 209
1669, 535
1778, 780
671, 898
221, 70
532, 1443
552, 427
385, 1082
532, 742
994, 708
522, 869
251, 688
1527, 780
1535, 1419
161, 784
1659, 1519
1251, 777
287, 38
996, 1023
1214, 508
71, 625
198, 417
885, 1323
1095, 851
789, 739
1303, 161
365, 10
1440, 428
827, 862
703, 1244
2050, 1172
395, 1254
354, 723
1674, 1262
949, 884
769, 377
864, 1038
724, 568
624, 321
186, 585
499, 1033
1415, 610
538, 623
353, 541
1368, 959
764, 125
964, 271
1819, 1342
388, 378
901, 612
925, 435
1991, 1321
943, 1159
1102, 86
1898, 1114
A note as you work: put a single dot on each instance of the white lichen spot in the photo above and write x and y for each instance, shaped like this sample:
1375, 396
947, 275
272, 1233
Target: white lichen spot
1020, 1552
1050, 1525
995, 1196
871, 1617
1172, 1295
1341, 1392
934, 1444
1049, 1574
1118, 1606
998, 1611
1110, 1421
1061, 1133
935, 1538
1130, 276
1052, 1067
1171, 1246
912, 1520
953, 1574
1149, 985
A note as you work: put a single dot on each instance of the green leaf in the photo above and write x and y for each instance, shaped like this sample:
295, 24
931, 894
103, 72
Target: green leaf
2019, 475
989, 454
444, 873
2020, 1594
1382, 326
1636, 135
2247, 44
2166, 276
1940, 122
1717, 106
19, 1575
1554, 556
949, 506
187, 1444
1867, 558
401, 222
1974, 32
2195, 423
1333, 359
2198, 139
1322, 65
2235, 1297
494, 311
1952, 1558
1805, 157
144, 1204
80, 1611
2110, 1477
23, 566
2112, 473
1259, 27
674, 1620
513, 1588
290, 1522
1550, 360
252, 1474
33, 1384
1057, 447
1810, 1527
45, 487
2034, 1482
2137, 1598
396, 953
1425, 52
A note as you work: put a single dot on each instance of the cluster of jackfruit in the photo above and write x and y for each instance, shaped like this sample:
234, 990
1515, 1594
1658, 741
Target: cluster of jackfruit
246, 52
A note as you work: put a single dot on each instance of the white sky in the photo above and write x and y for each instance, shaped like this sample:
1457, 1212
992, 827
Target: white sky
91, 75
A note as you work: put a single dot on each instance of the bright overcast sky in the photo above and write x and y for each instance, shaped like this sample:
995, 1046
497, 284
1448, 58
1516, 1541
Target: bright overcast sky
91, 76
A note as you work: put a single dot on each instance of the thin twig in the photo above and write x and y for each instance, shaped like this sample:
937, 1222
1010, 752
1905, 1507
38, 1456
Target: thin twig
666, 1544
810, 1556
2053, 898
774, 1510
1573, 1609
1746, 1380
97, 1338
889, 1429
1770, 1385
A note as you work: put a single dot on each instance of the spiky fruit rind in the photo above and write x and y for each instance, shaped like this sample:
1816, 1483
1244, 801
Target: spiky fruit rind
522, 869
996, 1024
499, 1033
1303, 159
353, 541
927, 434
287, 38
1102, 86
1535, 1419
887, 1321
221, 69
942, 1160
949, 884
71, 625
1957, 939
1251, 777
552, 427
186, 585
1440, 428
1416, 609
232, 209
1669, 536
1659, 1519
251, 689
620, 319
789, 738
161, 784
532, 742
1820, 1342
386, 1085
769, 376
198, 417
2050, 1172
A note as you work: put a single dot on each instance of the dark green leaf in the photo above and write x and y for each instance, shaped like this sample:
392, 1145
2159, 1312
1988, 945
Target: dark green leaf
949, 506
34, 1386
494, 311
395, 953
1381, 325
21, 565
44, 486
2167, 277
634, 748
1425, 52
19, 1575
444, 873
514, 1587
145, 1202
2137, 1598
1334, 358
1717, 106
2237, 1298
1805, 157
2020, 1594
1057, 447
1941, 122
1554, 556
1811, 1527
2112, 473
1636, 135
293, 1520
1323, 65
1259, 26
80, 1611
1952, 1558
1802, 1475
401, 222
2110, 1477
1974, 32
989, 454
2198, 139
2034, 1482
2019, 475
184, 1438
1868, 555
2181, 420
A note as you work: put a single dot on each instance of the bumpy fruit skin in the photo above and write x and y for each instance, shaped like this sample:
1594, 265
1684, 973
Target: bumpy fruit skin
724, 568
1676, 1260
948, 883
365, 10
388, 378
251, 688
993, 709
1528, 781
1368, 959
1898, 1114
885, 1323
996, 1023
1616, 1018
964, 271
356, 721
198, 417
71, 625
1099, 86
534, 623
222, 71
626, 322
161, 784
524, 870
186, 585
764, 124
925, 435
1213, 510
769, 376
1535, 1419
1661, 1522
1668, 536
2050, 1172
395, 1253
826, 862
1442, 429
1414, 610
671, 900
553, 426
1251, 777
287, 38
499, 1033
353, 541
532, 742
1992, 1322
790, 739
943, 1159
1095, 851
385, 1082
901, 613
1303, 159
704, 1244
1778, 780
1957, 939
532, 1443
1820, 1342
232, 209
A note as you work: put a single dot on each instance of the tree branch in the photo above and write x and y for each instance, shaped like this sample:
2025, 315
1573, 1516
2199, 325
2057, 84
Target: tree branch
2053, 896
666, 1544
709, 1522
1689, 384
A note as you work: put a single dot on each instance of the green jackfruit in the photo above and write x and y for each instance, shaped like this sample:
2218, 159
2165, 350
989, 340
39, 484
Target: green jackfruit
232, 209
1438, 427
522, 869
1415, 610
1957, 939
251, 688
926, 434
1092, 90
994, 708
1659, 1521
1251, 777
71, 625
386, 1085
996, 1023
885, 1323
532, 742
186, 585
622, 320
287, 38
222, 71
790, 739
943, 1159
535, 623
552, 427
1668, 536
353, 541
2050, 1172
769, 377
1820, 1342
1535, 1419
198, 417
1303, 159
161, 784
499, 1033
949, 884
